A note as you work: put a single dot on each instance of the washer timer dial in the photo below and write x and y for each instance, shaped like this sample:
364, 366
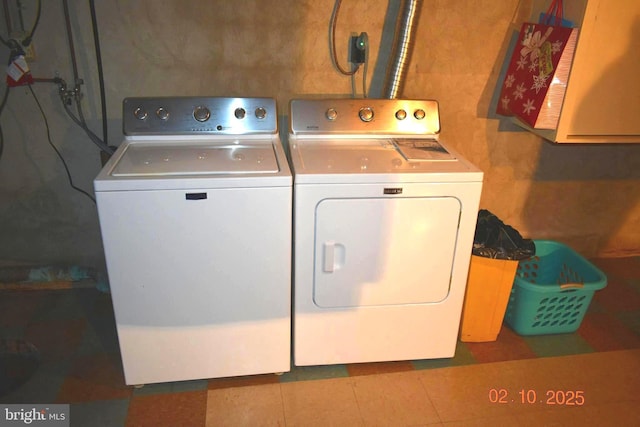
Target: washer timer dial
140, 113
201, 114
239, 113
162, 113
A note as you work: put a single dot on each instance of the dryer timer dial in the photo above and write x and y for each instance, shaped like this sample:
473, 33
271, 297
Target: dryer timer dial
261, 113
366, 114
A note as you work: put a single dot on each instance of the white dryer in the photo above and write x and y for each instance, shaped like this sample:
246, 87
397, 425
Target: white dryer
384, 219
195, 214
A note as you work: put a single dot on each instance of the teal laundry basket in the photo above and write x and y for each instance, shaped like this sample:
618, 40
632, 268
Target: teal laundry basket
552, 290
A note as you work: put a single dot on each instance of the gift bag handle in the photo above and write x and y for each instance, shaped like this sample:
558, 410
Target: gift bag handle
554, 11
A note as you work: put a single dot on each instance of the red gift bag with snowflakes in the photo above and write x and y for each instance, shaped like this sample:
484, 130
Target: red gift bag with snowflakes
536, 79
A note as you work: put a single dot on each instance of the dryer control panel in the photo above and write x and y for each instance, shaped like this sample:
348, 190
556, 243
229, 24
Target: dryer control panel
365, 116
199, 115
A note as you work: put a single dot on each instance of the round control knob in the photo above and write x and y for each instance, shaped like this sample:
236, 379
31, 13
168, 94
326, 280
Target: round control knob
261, 113
419, 114
401, 114
366, 114
140, 113
331, 114
201, 114
240, 113
162, 114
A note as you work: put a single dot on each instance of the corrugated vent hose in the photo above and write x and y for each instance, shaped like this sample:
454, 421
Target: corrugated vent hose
404, 39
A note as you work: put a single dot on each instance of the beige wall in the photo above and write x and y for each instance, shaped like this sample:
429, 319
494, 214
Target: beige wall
585, 196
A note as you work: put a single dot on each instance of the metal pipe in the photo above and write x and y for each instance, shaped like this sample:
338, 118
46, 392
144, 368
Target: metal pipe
404, 39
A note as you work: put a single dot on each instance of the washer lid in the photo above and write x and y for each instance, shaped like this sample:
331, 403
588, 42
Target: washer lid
172, 159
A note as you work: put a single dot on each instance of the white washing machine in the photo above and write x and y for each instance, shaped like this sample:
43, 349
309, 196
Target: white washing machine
195, 213
384, 219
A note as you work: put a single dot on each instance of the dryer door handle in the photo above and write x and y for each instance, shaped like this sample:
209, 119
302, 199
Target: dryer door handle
329, 257
333, 256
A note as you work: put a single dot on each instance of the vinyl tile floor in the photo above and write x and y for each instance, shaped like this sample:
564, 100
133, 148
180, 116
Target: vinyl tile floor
587, 378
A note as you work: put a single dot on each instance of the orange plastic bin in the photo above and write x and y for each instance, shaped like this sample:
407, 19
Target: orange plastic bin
488, 289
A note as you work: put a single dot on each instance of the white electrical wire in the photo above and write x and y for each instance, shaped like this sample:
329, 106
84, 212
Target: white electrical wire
332, 44
364, 71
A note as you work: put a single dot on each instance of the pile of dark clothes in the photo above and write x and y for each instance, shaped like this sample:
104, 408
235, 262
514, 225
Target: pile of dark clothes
19, 359
495, 239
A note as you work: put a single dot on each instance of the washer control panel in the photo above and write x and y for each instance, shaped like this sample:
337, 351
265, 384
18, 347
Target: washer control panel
364, 116
199, 115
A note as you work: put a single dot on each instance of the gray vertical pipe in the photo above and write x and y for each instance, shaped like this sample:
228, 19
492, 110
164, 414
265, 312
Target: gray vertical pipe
404, 39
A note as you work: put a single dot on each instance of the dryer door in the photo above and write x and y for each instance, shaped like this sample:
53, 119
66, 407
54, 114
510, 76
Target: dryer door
384, 251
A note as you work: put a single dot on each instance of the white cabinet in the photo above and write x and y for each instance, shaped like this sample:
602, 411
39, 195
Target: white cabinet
602, 100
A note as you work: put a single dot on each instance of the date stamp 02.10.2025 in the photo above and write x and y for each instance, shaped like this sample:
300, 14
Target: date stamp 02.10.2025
531, 397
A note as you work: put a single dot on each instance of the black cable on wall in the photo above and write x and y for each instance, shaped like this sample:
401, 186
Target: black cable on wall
96, 42
74, 63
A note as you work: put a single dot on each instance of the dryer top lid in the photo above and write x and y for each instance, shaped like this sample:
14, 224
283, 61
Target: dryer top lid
316, 160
